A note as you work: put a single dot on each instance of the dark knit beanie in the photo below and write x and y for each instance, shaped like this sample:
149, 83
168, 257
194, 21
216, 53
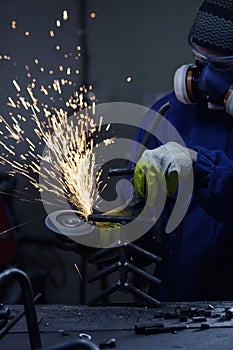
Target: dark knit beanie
213, 26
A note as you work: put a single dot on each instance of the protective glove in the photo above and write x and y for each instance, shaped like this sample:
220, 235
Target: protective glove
170, 161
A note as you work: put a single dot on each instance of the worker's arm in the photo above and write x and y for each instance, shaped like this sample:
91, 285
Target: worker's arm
213, 184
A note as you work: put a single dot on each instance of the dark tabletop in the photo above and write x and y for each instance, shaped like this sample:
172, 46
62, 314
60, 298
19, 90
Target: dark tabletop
210, 326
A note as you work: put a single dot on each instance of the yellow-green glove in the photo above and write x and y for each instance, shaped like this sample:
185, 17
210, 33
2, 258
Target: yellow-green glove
161, 167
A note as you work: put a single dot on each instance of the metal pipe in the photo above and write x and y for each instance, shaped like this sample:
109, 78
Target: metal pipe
121, 171
99, 253
14, 320
4, 312
104, 293
141, 294
144, 252
110, 218
105, 271
10, 275
84, 41
142, 273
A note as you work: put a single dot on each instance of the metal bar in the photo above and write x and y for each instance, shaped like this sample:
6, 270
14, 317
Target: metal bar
146, 330
141, 294
105, 293
4, 312
110, 218
15, 319
10, 275
123, 270
144, 252
121, 171
142, 273
84, 41
120, 219
99, 254
105, 271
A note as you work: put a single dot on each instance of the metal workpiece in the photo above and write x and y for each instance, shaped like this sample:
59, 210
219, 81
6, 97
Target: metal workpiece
110, 218
114, 258
8, 324
4, 312
142, 273
123, 266
142, 295
14, 274
150, 256
104, 272
121, 171
101, 254
105, 292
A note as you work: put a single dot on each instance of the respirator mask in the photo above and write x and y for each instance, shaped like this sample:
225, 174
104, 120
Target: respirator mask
210, 80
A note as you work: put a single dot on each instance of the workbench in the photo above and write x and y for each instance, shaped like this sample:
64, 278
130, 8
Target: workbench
104, 324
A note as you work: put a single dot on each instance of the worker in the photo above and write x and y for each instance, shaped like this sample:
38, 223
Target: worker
197, 256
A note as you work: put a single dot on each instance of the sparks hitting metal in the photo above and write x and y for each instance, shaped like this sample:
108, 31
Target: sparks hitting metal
68, 166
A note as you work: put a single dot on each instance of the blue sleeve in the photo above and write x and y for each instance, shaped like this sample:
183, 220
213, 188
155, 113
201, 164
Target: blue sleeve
213, 184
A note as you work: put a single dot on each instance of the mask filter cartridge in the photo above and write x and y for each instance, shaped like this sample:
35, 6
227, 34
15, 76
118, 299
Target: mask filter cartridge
194, 83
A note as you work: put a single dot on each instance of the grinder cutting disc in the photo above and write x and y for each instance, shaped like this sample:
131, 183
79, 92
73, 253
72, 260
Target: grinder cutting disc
68, 223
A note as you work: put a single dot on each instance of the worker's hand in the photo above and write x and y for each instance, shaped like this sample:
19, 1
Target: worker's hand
165, 163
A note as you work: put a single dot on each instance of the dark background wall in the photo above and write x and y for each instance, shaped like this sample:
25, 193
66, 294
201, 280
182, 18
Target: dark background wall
142, 40
130, 50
